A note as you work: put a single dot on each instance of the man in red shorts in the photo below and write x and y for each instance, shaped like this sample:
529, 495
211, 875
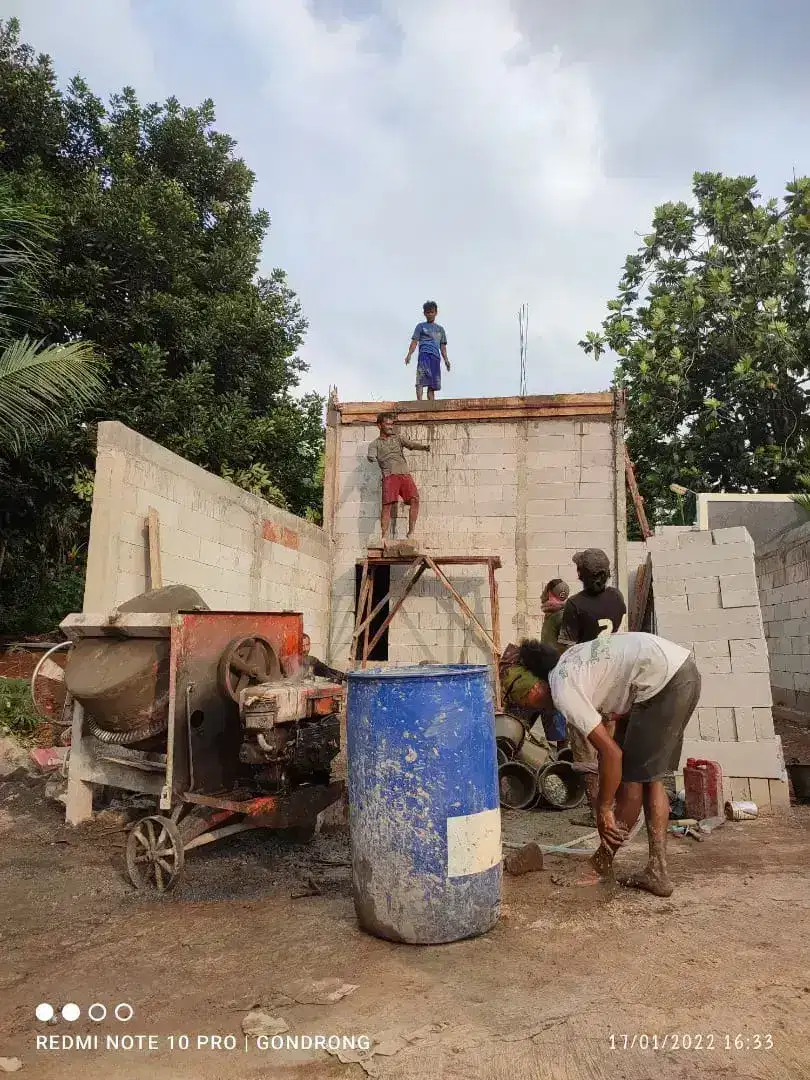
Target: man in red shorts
397, 482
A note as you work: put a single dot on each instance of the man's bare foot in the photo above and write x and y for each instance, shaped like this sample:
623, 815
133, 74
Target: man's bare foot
649, 881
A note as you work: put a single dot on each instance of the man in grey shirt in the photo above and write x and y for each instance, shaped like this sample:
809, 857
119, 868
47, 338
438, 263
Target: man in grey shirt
397, 482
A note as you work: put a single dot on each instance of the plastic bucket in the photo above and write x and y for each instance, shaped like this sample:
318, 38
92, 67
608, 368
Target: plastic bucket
517, 785
741, 811
506, 747
561, 786
509, 727
502, 757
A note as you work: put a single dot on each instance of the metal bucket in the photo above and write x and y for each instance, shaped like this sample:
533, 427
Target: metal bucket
800, 778
517, 784
533, 753
506, 747
561, 786
509, 727
741, 811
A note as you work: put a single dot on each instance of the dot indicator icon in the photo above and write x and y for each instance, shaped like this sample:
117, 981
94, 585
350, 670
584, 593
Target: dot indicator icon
71, 1012
97, 1012
44, 1012
124, 1012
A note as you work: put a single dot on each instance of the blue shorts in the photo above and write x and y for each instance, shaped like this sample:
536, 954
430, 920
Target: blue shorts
429, 371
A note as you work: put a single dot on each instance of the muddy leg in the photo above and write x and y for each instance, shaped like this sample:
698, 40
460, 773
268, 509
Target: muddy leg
419, 392
385, 520
654, 877
431, 395
413, 514
628, 807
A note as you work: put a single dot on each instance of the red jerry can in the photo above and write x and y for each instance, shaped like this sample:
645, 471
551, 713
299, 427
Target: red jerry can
703, 786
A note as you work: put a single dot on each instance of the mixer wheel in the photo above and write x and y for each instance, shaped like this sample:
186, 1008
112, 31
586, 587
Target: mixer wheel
246, 662
155, 856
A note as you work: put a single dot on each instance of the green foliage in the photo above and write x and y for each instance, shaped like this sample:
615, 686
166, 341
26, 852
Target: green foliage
17, 712
711, 329
154, 249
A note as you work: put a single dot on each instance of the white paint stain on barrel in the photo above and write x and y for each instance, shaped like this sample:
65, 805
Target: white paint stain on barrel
473, 843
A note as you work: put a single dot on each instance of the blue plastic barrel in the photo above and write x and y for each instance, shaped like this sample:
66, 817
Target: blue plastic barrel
424, 810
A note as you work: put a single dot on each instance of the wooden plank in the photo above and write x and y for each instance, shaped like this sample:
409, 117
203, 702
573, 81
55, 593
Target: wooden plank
361, 607
416, 572
121, 624
603, 398
495, 609
369, 602
470, 417
462, 603
638, 502
155, 568
409, 585
641, 594
440, 560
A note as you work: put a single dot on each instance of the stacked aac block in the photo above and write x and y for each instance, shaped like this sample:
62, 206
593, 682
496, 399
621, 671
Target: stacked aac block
706, 599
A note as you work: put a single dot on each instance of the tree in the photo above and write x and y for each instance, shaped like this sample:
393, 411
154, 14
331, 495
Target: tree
156, 248
41, 386
711, 329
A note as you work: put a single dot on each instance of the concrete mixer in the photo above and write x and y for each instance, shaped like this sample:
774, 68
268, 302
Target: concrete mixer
209, 711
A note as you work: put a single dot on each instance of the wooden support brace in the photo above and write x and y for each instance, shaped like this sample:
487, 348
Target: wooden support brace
416, 573
462, 603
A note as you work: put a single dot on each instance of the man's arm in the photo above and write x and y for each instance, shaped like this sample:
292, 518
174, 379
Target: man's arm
569, 627
409, 444
372, 452
412, 346
443, 348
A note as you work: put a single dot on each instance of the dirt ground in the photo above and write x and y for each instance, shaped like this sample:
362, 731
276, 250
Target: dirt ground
552, 993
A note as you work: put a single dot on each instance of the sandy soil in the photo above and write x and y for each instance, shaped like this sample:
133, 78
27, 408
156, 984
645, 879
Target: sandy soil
539, 997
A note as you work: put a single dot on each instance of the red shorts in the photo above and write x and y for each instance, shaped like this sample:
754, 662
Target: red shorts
398, 486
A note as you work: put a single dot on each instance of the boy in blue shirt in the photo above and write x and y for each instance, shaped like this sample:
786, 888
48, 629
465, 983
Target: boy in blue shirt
432, 342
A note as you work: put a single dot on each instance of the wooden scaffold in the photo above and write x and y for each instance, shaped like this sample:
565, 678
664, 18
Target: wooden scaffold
363, 644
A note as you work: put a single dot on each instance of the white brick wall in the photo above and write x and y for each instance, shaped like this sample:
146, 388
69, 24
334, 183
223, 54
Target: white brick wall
706, 599
212, 537
783, 578
530, 491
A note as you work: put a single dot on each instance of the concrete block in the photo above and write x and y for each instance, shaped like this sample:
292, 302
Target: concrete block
740, 788
693, 727
674, 587
763, 759
749, 665
701, 602
714, 665
707, 723
747, 598
748, 647
664, 542
592, 508
760, 792
665, 605
707, 555
744, 720
801, 681
696, 538
763, 723
727, 729
726, 691
697, 586
545, 508
707, 649
780, 795
737, 534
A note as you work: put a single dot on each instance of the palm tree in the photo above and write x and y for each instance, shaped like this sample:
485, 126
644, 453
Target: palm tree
41, 386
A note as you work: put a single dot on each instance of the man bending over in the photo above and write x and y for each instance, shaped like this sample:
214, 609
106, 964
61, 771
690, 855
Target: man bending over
652, 686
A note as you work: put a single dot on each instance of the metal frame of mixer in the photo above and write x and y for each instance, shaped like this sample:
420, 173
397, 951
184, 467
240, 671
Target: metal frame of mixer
189, 819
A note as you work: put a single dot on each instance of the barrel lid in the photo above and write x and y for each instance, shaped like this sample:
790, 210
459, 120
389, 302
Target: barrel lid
419, 671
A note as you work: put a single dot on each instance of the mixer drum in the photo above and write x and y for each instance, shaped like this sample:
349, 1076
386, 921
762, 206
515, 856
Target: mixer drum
123, 683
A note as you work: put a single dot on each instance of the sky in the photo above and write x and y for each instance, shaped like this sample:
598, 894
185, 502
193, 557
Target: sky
482, 155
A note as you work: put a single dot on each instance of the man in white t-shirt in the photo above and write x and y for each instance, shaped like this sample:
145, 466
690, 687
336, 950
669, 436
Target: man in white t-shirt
653, 687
